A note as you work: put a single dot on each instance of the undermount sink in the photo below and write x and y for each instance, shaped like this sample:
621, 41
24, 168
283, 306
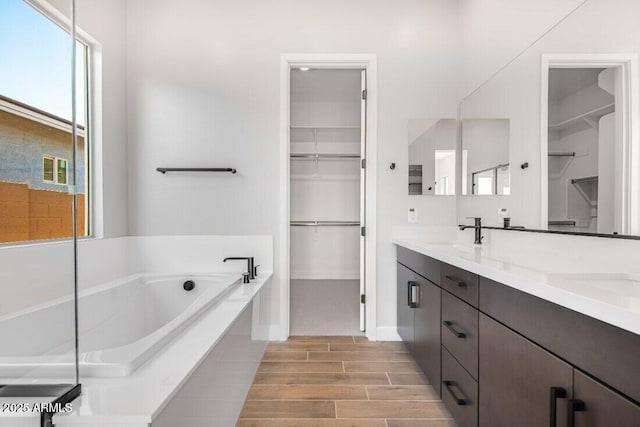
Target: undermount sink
615, 288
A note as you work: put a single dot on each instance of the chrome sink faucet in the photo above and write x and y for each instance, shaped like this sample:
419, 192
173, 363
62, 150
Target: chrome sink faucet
252, 270
478, 229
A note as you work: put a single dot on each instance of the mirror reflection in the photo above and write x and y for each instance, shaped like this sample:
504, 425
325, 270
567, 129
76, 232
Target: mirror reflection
582, 150
485, 157
573, 115
432, 157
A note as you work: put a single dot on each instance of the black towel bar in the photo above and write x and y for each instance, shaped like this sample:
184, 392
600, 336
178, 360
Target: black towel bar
165, 170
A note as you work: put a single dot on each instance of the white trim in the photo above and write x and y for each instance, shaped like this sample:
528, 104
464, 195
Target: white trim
388, 333
627, 63
329, 61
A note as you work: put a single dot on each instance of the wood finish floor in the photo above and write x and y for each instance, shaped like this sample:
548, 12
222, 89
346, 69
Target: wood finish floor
340, 382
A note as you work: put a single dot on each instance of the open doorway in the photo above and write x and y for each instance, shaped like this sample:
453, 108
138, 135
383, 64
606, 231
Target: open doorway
328, 207
326, 243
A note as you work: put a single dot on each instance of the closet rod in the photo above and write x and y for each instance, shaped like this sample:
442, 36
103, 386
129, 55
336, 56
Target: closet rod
562, 222
325, 156
324, 223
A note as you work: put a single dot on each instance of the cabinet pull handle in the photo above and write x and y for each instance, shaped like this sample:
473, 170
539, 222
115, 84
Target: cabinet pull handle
459, 282
449, 326
556, 393
409, 293
575, 405
461, 401
413, 294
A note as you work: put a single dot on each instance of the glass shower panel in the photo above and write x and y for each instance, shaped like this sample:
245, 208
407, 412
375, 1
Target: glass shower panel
41, 183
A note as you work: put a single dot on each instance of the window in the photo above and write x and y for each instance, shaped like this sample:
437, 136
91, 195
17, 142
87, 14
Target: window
48, 169
54, 170
36, 131
495, 180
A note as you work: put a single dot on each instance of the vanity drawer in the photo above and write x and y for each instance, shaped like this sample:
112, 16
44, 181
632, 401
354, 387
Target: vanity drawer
428, 268
460, 331
459, 282
459, 391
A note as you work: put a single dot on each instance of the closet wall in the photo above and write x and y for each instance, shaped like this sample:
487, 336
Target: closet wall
325, 120
325, 186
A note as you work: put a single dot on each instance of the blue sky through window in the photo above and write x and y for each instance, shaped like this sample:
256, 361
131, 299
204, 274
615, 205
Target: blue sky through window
35, 61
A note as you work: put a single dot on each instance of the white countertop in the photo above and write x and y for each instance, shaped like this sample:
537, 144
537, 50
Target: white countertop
610, 296
137, 399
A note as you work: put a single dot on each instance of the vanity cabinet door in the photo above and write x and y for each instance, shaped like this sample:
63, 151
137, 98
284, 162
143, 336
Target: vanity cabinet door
600, 406
427, 351
517, 379
404, 310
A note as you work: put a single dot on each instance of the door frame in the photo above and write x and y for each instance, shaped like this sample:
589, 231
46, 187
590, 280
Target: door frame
366, 62
627, 64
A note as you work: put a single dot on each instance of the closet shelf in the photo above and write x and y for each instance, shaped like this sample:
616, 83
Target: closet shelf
567, 154
589, 117
585, 180
317, 156
588, 189
325, 223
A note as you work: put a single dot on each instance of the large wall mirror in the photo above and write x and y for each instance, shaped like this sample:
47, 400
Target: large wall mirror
569, 108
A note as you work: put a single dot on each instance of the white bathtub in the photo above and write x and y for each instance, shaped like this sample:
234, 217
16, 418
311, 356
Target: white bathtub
121, 325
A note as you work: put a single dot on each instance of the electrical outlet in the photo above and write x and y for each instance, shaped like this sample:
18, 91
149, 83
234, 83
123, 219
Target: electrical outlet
413, 216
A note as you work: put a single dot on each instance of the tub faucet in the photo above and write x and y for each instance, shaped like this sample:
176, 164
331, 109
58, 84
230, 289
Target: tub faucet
251, 268
478, 229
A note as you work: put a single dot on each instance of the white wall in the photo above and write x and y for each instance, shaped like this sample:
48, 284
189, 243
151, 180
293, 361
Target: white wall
493, 32
203, 89
600, 26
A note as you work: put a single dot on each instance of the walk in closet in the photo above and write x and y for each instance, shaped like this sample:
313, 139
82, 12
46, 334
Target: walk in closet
327, 147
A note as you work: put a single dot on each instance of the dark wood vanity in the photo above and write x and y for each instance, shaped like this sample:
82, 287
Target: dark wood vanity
499, 357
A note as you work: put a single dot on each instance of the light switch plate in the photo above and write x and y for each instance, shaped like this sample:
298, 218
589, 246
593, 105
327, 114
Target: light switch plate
413, 216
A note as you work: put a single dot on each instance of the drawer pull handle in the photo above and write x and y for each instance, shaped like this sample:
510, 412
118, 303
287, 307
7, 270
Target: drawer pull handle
556, 393
412, 296
449, 326
575, 405
461, 401
459, 282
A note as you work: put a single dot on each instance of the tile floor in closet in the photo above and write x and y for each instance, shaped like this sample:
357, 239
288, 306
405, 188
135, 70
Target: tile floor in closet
343, 381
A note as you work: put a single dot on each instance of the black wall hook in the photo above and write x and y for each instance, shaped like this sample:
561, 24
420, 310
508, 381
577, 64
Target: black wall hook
392, 166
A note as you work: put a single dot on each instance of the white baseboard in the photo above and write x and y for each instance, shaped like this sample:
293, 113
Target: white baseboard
387, 333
